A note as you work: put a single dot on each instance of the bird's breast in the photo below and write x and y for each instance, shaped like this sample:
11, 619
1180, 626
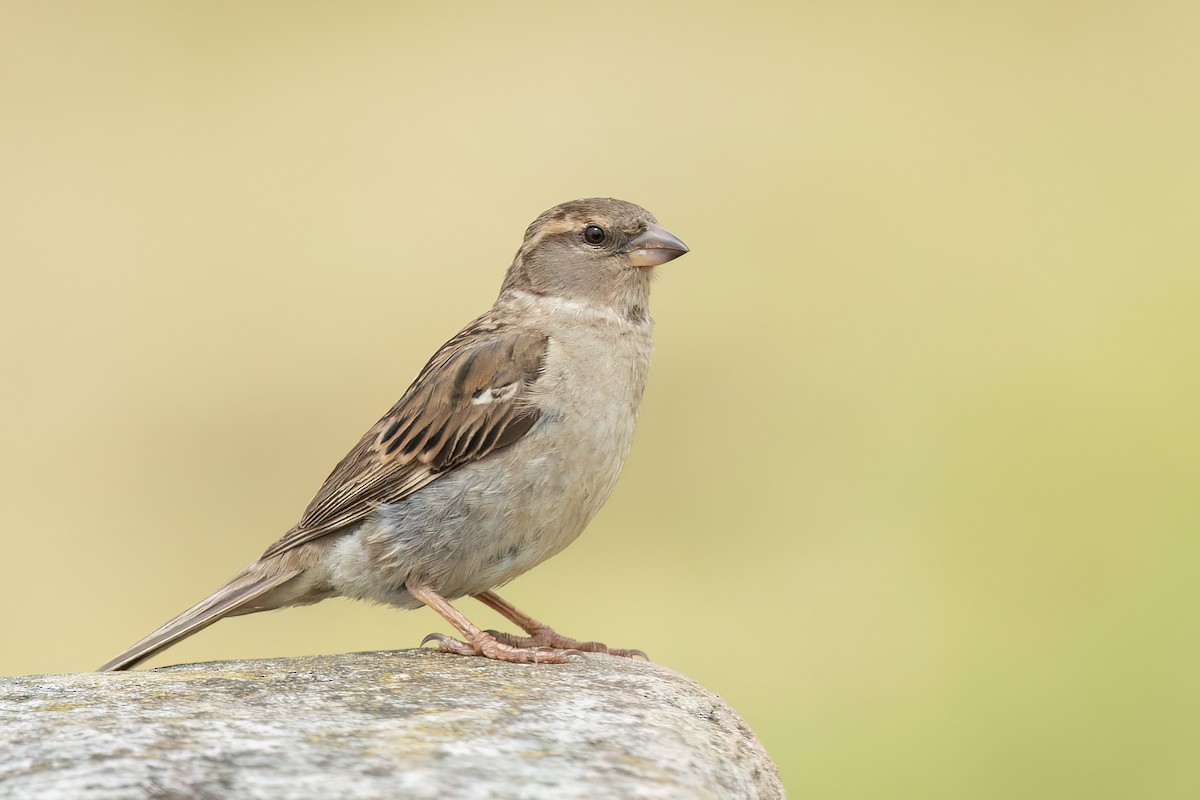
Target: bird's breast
589, 395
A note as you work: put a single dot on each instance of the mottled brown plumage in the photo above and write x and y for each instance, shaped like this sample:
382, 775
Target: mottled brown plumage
494, 459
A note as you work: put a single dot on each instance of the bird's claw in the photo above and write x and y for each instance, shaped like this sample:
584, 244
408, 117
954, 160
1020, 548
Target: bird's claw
494, 647
552, 640
448, 644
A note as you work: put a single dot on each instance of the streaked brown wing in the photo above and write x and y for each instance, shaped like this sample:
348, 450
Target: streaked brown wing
471, 399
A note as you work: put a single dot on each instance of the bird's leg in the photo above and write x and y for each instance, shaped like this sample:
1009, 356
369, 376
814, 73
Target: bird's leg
541, 634
483, 643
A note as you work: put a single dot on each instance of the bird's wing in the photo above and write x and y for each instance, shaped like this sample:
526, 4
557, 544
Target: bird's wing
472, 398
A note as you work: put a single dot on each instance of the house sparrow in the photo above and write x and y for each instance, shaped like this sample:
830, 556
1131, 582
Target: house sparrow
496, 458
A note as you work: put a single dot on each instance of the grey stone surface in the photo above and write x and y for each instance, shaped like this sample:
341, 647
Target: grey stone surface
406, 724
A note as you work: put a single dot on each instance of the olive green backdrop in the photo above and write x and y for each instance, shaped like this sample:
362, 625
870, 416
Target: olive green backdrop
915, 485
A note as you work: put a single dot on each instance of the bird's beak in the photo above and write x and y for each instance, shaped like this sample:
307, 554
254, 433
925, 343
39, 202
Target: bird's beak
656, 246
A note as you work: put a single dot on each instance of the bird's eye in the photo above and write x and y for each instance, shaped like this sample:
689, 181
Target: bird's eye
594, 234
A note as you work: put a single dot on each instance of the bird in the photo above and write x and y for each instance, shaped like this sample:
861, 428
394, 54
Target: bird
495, 458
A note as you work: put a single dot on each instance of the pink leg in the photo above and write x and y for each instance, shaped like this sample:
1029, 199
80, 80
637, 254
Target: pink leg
482, 643
541, 634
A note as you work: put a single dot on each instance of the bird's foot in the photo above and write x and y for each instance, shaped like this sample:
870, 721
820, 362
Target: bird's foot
544, 636
488, 645
541, 634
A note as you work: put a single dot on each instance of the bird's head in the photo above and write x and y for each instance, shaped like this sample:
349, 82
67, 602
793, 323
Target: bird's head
597, 250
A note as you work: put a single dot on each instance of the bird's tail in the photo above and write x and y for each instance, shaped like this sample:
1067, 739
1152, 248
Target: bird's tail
235, 597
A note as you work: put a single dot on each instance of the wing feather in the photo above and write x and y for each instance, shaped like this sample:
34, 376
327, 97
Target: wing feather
471, 399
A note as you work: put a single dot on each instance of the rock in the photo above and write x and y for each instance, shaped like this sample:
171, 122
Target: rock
406, 724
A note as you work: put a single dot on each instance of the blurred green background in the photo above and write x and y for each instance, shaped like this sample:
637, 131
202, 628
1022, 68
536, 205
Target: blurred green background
915, 484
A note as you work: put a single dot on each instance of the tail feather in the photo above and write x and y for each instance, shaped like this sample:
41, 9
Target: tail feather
229, 600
